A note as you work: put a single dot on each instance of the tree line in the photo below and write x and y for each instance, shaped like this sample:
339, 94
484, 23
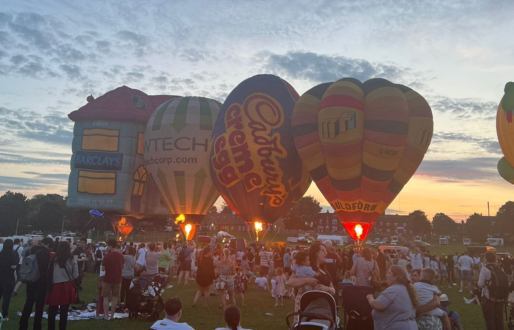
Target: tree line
47, 213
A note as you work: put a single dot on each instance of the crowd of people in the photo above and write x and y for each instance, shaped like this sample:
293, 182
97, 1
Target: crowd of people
412, 282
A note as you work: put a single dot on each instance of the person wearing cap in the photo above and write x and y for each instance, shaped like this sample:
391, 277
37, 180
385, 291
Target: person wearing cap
445, 302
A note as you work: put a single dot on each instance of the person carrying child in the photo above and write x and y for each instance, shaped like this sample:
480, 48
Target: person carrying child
426, 291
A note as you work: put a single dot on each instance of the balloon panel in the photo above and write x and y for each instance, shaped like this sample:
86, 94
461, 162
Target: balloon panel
506, 170
177, 146
254, 164
361, 144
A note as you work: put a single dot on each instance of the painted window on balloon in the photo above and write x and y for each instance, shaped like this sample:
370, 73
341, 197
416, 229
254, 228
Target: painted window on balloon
97, 183
140, 177
140, 143
100, 139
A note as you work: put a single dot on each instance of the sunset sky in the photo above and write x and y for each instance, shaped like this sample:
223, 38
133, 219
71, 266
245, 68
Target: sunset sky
457, 54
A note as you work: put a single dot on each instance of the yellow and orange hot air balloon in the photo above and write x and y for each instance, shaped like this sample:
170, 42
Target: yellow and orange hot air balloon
361, 143
505, 131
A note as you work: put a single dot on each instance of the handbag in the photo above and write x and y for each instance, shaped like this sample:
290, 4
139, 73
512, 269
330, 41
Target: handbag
376, 280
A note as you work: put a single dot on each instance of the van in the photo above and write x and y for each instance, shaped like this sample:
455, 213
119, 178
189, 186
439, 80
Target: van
466, 241
237, 244
494, 241
472, 250
391, 250
443, 241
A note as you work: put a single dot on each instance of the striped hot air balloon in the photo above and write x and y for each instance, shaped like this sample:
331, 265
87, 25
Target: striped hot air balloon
177, 147
361, 143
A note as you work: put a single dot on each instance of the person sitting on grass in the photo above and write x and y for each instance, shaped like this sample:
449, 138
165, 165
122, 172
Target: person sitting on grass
454, 316
173, 308
426, 291
232, 317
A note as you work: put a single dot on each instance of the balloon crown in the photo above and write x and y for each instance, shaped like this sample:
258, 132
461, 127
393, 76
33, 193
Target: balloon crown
508, 99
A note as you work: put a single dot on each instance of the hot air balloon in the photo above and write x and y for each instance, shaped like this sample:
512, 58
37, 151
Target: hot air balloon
107, 171
254, 164
505, 131
177, 145
361, 143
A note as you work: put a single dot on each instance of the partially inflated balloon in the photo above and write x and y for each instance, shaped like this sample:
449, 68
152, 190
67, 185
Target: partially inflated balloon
361, 143
505, 131
177, 146
254, 163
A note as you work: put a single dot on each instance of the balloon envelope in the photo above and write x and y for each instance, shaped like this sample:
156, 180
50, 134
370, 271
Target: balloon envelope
361, 143
254, 164
177, 146
505, 131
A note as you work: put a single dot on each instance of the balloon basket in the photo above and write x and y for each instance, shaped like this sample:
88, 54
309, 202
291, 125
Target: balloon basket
357, 245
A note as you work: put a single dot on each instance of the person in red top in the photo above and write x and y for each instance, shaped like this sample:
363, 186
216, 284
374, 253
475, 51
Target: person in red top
113, 267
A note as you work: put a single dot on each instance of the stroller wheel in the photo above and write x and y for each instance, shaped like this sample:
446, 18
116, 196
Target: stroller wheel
154, 316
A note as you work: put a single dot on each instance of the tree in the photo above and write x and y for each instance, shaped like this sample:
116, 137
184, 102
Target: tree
443, 224
478, 227
505, 219
213, 209
46, 212
420, 223
302, 213
225, 208
13, 207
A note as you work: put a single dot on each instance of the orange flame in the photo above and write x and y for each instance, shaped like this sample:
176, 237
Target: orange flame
258, 229
180, 219
188, 230
358, 230
124, 227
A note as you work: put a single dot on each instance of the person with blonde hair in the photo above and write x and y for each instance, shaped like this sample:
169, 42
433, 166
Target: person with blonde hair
395, 308
227, 269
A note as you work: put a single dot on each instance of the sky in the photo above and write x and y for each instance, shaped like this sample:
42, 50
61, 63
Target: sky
457, 54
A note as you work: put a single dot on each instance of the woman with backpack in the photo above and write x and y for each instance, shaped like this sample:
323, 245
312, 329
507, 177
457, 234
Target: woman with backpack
62, 271
8, 264
185, 259
494, 292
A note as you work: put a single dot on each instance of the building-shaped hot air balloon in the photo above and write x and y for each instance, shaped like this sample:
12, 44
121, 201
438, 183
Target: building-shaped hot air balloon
107, 170
361, 143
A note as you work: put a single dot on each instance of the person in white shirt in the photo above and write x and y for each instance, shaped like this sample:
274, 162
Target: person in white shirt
232, 318
416, 259
465, 263
173, 308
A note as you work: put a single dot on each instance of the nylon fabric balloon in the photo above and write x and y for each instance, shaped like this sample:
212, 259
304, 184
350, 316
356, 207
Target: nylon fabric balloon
505, 131
361, 143
177, 146
254, 163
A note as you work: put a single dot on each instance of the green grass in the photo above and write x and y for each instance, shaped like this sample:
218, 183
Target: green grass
257, 304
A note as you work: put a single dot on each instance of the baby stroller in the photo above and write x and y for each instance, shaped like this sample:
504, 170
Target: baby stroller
318, 311
145, 298
357, 311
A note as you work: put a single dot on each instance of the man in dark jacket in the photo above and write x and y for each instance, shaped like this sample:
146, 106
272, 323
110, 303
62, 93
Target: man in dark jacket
36, 292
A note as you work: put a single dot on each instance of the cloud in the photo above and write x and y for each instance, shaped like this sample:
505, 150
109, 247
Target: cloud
324, 68
31, 183
489, 145
72, 71
11, 158
468, 169
53, 128
461, 107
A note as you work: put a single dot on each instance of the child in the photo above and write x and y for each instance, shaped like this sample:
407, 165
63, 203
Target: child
347, 278
426, 291
241, 283
261, 283
303, 268
245, 266
280, 286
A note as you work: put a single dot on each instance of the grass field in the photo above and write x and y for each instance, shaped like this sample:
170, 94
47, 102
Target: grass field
257, 305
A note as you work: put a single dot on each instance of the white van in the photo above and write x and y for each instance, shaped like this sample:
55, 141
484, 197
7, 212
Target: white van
443, 241
494, 241
389, 249
466, 241
336, 240
417, 239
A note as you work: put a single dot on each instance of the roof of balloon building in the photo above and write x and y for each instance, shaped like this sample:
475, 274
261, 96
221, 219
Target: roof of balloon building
120, 104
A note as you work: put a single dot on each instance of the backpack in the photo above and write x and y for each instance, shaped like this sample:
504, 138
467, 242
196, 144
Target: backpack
98, 254
498, 285
29, 269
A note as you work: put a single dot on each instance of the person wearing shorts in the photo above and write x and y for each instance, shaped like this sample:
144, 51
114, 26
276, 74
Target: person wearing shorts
465, 263
112, 264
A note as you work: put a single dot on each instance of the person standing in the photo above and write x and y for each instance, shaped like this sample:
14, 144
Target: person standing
113, 266
128, 272
265, 262
80, 255
416, 259
99, 257
363, 267
30, 244
205, 275
36, 291
491, 307
287, 262
227, 271
450, 268
465, 263
8, 264
62, 272
152, 261
140, 257
382, 264
184, 257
